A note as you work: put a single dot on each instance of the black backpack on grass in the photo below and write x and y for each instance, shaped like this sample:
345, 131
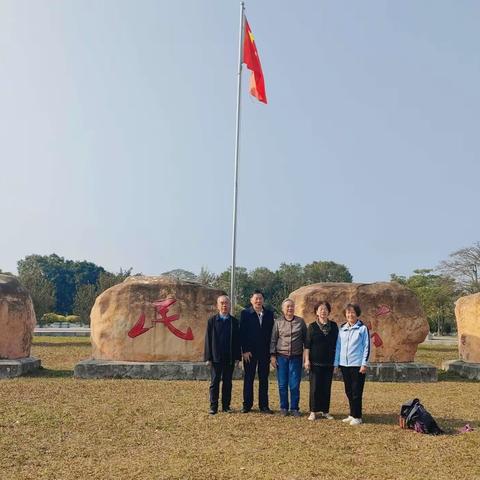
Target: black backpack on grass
413, 415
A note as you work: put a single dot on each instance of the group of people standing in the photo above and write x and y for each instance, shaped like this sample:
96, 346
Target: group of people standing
287, 344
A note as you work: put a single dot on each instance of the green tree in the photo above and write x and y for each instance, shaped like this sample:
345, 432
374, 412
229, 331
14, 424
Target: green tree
65, 275
84, 300
108, 279
88, 293
437, 295
40, 288
243, 286
206, 277
291, 277
268, 282
326, 271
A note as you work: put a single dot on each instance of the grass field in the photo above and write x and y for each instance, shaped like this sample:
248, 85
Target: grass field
55, 427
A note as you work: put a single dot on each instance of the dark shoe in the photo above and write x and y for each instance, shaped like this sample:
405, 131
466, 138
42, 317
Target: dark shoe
266, 410
295, 413
212, 411
284, 412
245, 410
227, 410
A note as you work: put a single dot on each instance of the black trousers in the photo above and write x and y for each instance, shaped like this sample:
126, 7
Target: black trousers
354, 382
262, 364
320, 388
221, 372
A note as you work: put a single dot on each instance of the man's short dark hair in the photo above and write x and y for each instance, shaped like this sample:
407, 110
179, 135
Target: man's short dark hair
319, 304
356, 307
257, 292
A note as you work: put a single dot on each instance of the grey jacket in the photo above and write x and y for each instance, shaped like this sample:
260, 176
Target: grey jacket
288, 337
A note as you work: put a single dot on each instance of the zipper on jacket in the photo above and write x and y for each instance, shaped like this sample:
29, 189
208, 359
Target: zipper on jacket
348, 342
291, 335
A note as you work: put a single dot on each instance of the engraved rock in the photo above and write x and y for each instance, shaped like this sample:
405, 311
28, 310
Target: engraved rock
392, 312
149, 319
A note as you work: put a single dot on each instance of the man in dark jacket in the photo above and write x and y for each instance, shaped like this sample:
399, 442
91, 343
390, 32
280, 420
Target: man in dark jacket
256, 325
222, 353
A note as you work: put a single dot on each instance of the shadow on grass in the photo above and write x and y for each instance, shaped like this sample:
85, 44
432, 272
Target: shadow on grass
49, 373
448, 376
381, 419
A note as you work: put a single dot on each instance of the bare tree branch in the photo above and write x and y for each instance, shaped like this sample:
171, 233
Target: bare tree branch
464, 266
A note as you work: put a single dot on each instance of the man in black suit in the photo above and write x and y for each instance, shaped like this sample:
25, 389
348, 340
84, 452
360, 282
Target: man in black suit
222, 353
256, 325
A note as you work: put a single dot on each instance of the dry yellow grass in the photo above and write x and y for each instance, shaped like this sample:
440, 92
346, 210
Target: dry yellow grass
55, 427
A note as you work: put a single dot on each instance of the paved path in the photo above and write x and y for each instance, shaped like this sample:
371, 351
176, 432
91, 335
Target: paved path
62, 332
446, 340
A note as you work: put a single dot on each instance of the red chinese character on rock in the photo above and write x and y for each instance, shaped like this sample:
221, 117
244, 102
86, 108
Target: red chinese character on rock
382, 310
161, 307
376, 339
161, 311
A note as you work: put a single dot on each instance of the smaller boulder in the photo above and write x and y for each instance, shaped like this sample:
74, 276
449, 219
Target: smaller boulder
467, 315
17, 319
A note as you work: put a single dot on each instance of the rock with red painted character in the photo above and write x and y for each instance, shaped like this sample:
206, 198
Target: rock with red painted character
148, 319
17, 319
392, 312
467, 314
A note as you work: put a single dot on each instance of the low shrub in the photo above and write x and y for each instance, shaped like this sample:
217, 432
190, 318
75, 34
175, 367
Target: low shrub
49, 318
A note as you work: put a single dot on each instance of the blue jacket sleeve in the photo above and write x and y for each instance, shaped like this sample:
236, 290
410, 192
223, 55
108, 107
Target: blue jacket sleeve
337, 351
366, 346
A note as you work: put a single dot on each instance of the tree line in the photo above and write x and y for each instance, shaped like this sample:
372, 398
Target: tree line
67, 287
439, 289
276, 285
64, 287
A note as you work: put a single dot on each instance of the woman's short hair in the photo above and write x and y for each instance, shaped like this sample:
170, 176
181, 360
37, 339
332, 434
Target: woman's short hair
355, 307
287, 300
319, 304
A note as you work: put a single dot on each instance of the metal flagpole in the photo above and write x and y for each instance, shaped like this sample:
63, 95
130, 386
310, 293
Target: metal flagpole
237, 138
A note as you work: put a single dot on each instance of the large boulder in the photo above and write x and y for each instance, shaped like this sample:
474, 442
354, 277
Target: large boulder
392, 313
17, 319
467, 314
148, 319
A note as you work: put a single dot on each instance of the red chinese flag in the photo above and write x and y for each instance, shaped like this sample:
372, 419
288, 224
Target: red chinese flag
252, 61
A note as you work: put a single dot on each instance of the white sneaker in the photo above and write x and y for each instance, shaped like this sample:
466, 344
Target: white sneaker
312, 416
327, 416
348, 419
356, 421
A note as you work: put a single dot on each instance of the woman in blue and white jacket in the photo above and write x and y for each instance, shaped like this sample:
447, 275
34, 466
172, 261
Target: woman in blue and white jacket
352, 352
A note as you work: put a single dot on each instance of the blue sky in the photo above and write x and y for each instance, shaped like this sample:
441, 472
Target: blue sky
117, 128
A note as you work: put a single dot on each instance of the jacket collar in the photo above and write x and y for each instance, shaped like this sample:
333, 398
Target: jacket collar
358, 324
